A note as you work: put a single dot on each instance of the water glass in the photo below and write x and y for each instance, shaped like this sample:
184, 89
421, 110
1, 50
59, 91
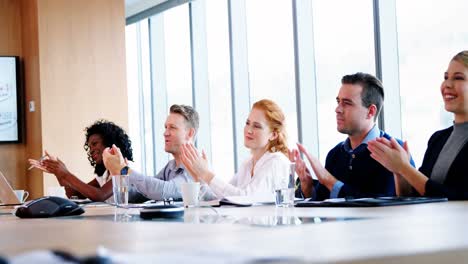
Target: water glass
284, 194
120, 185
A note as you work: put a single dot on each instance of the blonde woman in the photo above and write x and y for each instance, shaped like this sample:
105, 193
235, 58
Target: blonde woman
443, 171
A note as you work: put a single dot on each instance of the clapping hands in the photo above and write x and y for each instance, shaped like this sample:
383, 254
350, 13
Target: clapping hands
113, 160
195, 163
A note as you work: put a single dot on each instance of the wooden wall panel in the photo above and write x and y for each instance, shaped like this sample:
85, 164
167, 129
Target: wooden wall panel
10, 27
73, 54
12, 162
82, 74
33, 137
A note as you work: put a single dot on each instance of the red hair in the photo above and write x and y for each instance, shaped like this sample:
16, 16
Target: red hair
276, 122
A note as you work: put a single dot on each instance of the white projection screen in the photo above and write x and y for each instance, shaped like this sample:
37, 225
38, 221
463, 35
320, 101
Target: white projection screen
9, 100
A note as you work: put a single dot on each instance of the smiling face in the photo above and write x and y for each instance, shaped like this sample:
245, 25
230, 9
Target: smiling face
176, 133
96, 147
351, 116
257, 133
454, 90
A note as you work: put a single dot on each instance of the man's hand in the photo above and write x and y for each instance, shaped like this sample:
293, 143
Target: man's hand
323, 176
307, 183
113, 160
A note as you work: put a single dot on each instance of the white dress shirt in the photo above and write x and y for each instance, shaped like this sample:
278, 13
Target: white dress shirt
271, 169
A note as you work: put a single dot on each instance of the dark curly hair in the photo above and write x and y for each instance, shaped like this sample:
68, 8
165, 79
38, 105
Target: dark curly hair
110, 134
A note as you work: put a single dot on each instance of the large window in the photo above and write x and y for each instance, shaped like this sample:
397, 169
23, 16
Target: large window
139, 100
271, 57
344, 44
217, 34
426, 45
255, 49
131, 42
177, 52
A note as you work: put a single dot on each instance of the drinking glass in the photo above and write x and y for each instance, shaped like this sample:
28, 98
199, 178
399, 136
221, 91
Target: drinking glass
120, 190
284, 193
120, 185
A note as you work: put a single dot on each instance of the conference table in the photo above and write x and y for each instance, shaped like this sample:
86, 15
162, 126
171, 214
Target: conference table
420, 233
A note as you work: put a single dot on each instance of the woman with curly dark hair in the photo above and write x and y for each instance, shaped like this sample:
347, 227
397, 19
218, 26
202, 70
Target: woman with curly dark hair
100, 135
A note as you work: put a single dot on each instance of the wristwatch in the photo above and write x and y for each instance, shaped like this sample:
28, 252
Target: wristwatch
124, 170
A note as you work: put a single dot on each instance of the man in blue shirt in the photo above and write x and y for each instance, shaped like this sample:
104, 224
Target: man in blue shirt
349, 169
180, 127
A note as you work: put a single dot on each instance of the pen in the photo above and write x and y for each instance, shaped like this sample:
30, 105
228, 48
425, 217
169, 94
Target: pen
39, 160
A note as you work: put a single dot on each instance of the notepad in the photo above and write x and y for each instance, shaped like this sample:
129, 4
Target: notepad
370, 202
241, 201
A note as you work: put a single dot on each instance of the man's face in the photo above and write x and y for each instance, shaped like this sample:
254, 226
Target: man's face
351, 116
176, 133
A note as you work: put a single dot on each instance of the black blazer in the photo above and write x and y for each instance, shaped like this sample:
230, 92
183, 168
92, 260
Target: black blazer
455, 186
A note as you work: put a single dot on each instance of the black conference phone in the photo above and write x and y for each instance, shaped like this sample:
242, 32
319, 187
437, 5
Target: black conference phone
48, 206
162, 211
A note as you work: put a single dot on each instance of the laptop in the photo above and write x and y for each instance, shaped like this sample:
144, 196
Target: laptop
370, 202
7, 195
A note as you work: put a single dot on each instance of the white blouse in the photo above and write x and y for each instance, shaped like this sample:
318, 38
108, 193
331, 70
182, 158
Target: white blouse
103, 179
270, 171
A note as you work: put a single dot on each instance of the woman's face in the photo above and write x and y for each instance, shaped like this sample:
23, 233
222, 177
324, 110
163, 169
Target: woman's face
454, 90
256, 131
96, 147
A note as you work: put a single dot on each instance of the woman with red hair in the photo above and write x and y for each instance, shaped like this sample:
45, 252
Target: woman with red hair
265, 169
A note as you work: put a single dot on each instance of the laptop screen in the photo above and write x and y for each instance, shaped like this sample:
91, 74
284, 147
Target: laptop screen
7, 195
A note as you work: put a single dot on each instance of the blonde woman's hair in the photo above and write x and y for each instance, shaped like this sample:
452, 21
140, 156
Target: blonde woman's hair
276, 122
462, 57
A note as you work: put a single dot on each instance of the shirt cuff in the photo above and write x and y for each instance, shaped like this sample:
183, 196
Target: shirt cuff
335, 191
217, 186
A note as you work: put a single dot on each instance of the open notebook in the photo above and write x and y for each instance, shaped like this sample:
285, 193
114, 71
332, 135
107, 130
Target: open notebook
241, 201
370, 202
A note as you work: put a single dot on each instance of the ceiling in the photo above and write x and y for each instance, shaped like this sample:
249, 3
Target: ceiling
133, 7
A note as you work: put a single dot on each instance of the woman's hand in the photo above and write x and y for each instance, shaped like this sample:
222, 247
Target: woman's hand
56, 167
38, 163
195, 163
390, 154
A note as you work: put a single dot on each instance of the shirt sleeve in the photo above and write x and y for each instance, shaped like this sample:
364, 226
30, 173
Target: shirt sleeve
155, 188
335, 191
435, 189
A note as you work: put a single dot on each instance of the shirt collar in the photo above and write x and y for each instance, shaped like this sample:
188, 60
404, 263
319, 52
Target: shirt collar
177, 169
373, 134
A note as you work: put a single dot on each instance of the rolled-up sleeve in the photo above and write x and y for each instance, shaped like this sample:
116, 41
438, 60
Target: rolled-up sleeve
156, 189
